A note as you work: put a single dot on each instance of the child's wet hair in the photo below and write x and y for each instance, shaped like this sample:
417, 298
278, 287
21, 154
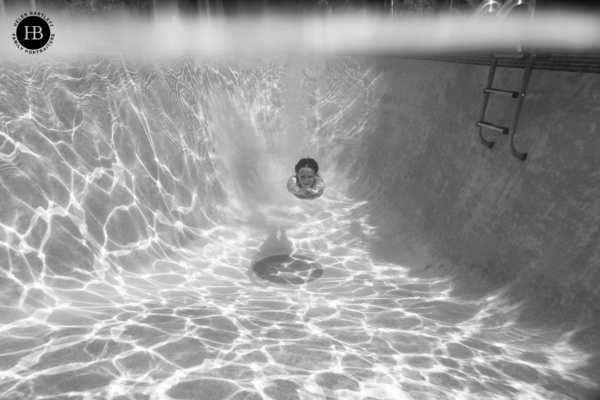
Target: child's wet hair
307, 163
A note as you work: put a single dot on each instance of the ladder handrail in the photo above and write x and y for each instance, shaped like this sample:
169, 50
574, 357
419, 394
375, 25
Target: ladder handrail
519, 105
486, 96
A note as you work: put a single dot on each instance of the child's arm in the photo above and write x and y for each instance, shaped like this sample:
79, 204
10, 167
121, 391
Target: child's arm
293, 187
317, 189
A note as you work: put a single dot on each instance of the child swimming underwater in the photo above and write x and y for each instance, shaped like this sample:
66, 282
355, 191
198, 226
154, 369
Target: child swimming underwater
306, 184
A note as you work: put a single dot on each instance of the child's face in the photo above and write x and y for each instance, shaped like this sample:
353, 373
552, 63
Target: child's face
306, 176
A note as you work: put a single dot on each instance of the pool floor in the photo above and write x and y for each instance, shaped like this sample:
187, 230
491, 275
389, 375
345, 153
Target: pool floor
199, 323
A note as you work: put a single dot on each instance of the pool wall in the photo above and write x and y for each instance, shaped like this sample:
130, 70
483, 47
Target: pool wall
444, 203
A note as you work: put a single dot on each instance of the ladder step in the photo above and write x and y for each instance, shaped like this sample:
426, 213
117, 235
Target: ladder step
493, 127
511, 93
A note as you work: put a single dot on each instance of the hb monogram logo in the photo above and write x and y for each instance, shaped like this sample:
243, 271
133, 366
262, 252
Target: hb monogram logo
36, 31
33, 34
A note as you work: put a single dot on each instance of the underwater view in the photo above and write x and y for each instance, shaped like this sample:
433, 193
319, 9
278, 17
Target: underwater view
149, 247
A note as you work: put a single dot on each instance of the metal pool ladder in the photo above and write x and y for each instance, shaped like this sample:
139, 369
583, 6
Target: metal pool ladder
520, 96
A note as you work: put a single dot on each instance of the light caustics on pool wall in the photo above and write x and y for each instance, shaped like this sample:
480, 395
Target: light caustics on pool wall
136, 195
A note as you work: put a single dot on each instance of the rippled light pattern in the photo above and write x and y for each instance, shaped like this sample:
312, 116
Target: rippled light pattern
136, 198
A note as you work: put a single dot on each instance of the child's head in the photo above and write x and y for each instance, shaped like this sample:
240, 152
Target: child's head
307, 163
306, 171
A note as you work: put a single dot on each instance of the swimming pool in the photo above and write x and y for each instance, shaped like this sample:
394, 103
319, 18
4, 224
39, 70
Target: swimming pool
139, 196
